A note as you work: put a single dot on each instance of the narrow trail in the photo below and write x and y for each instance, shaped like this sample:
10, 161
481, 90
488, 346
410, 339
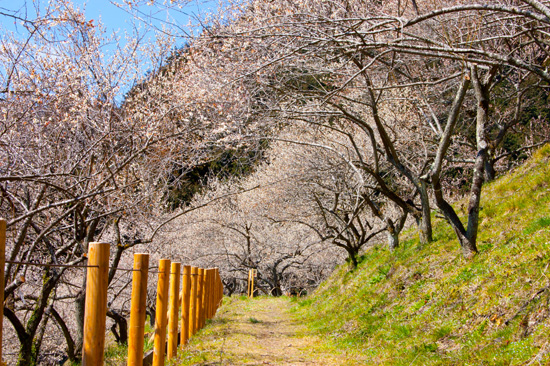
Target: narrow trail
258, 332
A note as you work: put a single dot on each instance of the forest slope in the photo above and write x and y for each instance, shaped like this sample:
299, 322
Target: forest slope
428, 305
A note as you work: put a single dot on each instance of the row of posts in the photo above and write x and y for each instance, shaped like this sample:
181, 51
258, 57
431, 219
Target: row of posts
200, 297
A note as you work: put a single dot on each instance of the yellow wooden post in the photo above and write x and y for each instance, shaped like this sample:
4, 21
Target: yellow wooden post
208, 288
252, 275
2, 264
220, 289
137, 309
173, 310
95, 307
212, 292
193, 302
213, 289
161, 312
200, 299
216, 291
186, 293
206, 295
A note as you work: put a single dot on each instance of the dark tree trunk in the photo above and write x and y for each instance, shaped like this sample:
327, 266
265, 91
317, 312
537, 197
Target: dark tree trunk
152, 312
426, 235
31, 340
466, 243
121, 335
489, 170
79, 302
230, 286
26, 355
71, 352
352, 256
467, 236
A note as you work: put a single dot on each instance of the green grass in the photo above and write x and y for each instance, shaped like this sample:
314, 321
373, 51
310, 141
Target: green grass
116, 354
427, 305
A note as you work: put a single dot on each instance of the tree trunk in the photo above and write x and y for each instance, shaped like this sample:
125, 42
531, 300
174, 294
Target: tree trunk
31, 341
67, 334
122, 335
469, 247
352, 256
26, 355
152, 312
276, 287
79, 302
426, 225
489, 170
424, 230
393, 240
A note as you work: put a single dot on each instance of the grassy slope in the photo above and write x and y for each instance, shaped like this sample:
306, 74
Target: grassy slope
430, 306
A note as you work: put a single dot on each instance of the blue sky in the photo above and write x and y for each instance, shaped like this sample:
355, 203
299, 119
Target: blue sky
113, 17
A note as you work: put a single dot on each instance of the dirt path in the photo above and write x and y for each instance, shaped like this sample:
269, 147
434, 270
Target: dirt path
258, 332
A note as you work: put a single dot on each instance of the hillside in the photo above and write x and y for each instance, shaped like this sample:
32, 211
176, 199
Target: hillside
415, 306
428, 305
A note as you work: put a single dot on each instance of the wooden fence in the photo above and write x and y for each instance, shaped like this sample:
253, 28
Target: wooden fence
200, 297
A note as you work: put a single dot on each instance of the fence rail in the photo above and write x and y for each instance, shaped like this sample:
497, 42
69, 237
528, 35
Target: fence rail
199, 298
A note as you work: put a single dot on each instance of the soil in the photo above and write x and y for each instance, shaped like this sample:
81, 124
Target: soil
259, 332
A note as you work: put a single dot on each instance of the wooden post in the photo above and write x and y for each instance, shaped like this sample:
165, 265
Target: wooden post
200, 299
248, 284
193, 302
252, 275
220, 289
137, 309
186, 293
205, 297
161, 312
208, 288
173, 310
216, 290
95, 307
212, 292
2, 264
